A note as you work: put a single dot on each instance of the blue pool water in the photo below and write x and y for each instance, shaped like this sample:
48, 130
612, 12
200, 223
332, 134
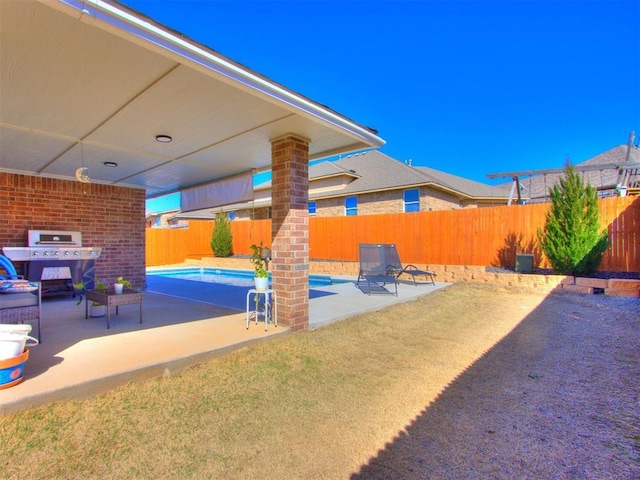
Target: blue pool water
225, 276
218, 286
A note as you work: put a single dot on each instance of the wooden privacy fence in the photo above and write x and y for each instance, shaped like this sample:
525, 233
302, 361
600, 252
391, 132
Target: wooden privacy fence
479, 236
166, 246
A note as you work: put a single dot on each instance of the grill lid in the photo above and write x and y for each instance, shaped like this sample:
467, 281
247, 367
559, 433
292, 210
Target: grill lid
46, 238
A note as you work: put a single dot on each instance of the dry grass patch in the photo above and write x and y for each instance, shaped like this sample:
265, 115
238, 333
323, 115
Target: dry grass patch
323, 404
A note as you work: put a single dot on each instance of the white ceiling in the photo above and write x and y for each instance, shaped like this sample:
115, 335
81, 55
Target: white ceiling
88, 88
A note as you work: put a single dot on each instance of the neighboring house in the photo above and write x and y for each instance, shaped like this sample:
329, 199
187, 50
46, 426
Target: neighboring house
373, 183
167, 219
602, 172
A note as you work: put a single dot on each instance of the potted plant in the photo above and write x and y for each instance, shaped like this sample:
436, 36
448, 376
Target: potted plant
258, 259
96, 309
120, 283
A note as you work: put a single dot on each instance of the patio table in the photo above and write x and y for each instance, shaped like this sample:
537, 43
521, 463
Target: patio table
110, 298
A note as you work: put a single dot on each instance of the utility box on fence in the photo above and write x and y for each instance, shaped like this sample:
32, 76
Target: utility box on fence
524, 263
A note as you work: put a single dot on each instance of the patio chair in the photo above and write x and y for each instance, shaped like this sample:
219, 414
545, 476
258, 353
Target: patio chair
395, 267
21, 300
373, 269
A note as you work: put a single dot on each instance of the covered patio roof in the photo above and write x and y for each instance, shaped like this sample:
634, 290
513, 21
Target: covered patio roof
92, 83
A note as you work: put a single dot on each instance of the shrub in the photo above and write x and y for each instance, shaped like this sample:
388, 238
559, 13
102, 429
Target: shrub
571, 239
221, 238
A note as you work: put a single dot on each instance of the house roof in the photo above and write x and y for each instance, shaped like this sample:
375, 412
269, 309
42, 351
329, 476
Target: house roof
379, 172
330, 169
90, 82
166, 213
374, 171
537, 187
463, 186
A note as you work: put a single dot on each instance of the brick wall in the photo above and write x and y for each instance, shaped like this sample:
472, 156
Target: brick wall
290, 229
330, 207
431, 199
381, 202
388, 201
107, 216
391, 201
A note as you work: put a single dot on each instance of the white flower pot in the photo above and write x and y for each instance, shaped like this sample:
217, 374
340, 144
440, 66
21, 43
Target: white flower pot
96, 311
118, 287
12, 344
261, 283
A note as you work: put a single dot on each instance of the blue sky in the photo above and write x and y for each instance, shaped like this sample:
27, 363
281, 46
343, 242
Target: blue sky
467, 87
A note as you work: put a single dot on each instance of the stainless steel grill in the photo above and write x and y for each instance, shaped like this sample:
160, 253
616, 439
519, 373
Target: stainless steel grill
57, 259
52, 245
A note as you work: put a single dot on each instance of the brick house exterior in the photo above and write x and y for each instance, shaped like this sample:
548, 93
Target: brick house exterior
378, 183
389, 201
107, 216
165, 220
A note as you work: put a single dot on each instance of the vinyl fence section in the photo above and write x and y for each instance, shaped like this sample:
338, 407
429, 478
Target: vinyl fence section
480, 236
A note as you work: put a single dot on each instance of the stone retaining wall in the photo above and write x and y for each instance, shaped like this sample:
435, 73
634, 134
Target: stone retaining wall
458, 273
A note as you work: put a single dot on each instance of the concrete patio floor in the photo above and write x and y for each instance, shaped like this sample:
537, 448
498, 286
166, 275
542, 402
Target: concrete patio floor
80, 357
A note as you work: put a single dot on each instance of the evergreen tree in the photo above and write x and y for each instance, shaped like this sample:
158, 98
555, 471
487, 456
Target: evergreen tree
221, 238
571, 239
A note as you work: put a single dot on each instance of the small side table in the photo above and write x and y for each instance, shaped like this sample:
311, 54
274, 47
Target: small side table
269, 298
112, 299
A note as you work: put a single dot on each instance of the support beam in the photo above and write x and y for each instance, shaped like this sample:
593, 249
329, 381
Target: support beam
290, 229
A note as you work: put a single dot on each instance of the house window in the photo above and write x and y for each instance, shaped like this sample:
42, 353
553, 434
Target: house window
351, 206
312, 208
231, 215
412, 200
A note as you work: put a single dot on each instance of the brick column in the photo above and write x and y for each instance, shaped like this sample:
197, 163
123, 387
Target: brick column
290, 229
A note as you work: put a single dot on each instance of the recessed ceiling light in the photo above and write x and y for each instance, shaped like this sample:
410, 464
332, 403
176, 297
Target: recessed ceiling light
163, 138
110, 164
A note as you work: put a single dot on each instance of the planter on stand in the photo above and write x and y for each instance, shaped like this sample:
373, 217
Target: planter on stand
261, 283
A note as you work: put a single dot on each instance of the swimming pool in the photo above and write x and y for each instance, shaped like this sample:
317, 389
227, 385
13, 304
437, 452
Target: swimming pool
228, 276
